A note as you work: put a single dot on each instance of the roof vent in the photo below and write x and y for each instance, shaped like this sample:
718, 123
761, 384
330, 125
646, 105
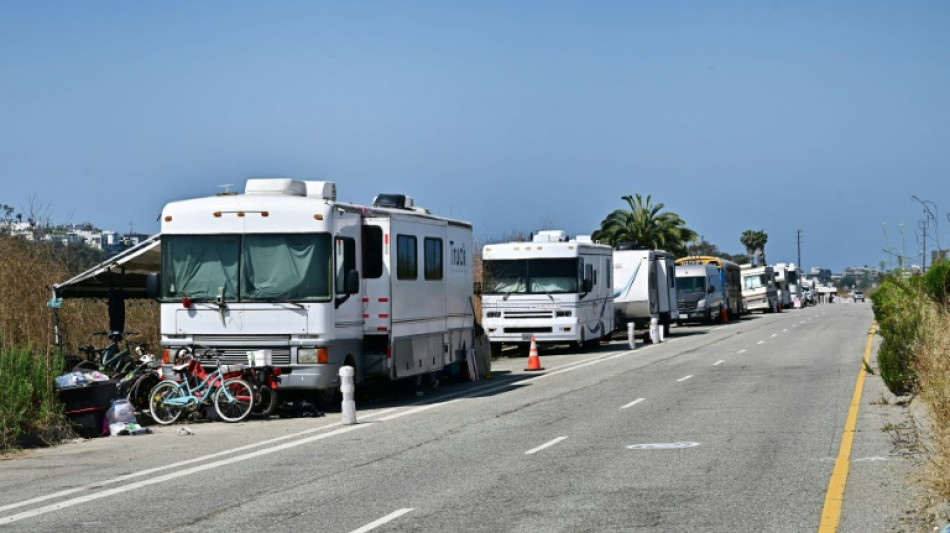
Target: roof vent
321, 189
393, 201
275, 186
552, 235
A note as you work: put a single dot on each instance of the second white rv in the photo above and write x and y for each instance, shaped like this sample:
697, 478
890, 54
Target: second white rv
552, 289
644, 288
758, 288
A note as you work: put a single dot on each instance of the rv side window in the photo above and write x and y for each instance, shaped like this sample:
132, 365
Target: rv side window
345, 261
372, 252
433, 258
407, 259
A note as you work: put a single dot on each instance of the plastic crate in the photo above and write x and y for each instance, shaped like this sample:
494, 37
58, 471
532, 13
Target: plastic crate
96, 395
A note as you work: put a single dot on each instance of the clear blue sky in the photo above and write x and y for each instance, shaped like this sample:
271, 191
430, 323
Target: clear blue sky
824, 117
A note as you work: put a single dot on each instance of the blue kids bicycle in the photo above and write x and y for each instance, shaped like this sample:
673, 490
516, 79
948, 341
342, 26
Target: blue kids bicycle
233, 397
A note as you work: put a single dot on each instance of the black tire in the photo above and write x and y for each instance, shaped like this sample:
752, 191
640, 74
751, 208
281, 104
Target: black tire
233, 400
162, 412
495, 349
139, 393
265, 402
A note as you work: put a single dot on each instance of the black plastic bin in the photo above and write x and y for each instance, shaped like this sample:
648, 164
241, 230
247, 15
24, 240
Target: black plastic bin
86, 406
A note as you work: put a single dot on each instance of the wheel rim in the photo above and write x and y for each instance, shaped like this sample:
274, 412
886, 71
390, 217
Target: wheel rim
234, 400
162, 412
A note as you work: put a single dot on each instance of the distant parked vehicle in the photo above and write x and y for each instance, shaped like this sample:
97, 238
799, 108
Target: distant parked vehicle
857, 296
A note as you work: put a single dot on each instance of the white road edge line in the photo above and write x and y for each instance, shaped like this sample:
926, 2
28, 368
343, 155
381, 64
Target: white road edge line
685, 378
741, 351
761, 342
545, 445
631, 404
388, 518
721, 361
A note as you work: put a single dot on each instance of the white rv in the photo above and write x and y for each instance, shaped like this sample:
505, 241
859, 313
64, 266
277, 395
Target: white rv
556, 290
644, 288
758, 288
787, 281
321, 284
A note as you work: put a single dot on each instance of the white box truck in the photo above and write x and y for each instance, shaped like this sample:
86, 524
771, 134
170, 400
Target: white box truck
644, 289
285, 267
758, 288
554, 289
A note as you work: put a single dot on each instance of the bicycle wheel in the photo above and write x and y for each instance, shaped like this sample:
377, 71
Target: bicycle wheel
233, 400
265, 401
162, 412
86, 366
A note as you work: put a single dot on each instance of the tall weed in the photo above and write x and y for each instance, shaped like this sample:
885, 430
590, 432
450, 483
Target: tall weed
897, 307
29, 360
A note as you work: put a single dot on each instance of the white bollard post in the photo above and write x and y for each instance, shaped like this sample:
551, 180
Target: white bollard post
347, 388
631, 336
654, 334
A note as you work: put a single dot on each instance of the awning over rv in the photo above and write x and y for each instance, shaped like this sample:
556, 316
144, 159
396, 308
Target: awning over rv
126, 270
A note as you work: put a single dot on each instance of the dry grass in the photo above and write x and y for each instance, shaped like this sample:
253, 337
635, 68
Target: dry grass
933, 372
28, 271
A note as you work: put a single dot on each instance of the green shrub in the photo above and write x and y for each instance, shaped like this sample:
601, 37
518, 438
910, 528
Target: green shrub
936, 283
28, 402
897, 307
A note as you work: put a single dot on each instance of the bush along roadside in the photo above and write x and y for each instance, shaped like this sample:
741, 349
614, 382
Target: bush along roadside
914, 354
29, 405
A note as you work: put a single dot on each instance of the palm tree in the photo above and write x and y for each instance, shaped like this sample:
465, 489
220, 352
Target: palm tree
645, 225
754, 242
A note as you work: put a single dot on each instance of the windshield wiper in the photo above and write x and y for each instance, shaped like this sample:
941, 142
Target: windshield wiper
279, 301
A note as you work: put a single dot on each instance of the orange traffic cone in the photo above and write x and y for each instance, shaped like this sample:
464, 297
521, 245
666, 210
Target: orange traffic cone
534, 362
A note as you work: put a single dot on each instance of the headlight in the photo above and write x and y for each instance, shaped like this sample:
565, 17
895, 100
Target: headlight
312, 356
700, 304
307, 356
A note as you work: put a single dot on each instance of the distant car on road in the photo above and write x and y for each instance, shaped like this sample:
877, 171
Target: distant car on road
857, 296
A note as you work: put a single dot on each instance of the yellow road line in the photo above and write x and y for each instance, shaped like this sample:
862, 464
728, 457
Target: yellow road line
834, 498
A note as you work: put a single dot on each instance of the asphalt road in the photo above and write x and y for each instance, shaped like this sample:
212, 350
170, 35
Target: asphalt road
726, 428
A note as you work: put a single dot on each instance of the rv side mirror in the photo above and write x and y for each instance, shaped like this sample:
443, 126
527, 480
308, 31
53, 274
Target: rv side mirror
588, 284
352, 282
477, 288
153, 285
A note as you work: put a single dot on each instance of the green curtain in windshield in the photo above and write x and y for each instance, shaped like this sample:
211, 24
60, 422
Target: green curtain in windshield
291, 267
197, 265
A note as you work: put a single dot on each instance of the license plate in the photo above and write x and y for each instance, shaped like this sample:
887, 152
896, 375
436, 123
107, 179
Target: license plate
526, 336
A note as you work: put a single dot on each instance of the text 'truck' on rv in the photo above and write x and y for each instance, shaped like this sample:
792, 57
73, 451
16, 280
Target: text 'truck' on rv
758, 288
708, 288
644, 288
553, 289
321, 284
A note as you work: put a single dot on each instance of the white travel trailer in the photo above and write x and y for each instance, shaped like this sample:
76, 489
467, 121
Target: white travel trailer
556, 290
644, 288
758, 288
321, 284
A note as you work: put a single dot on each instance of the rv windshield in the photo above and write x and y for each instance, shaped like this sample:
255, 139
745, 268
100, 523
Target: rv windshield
691, 284
531, 275
264, 267
754, 282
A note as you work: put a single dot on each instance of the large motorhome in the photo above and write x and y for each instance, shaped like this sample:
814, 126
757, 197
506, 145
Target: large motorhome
758, 288
285, 267
791, 274
644, 288
786, 281
708, 288
552, 289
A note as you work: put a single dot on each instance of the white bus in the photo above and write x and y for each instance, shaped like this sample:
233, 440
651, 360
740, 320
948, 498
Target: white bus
285, 267
553, 289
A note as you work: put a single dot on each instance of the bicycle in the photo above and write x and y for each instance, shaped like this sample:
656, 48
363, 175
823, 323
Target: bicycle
136, 385
232, 396
113, 360
264, 380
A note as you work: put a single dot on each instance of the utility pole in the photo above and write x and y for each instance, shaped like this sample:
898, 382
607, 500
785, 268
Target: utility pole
923, 254
798, 234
